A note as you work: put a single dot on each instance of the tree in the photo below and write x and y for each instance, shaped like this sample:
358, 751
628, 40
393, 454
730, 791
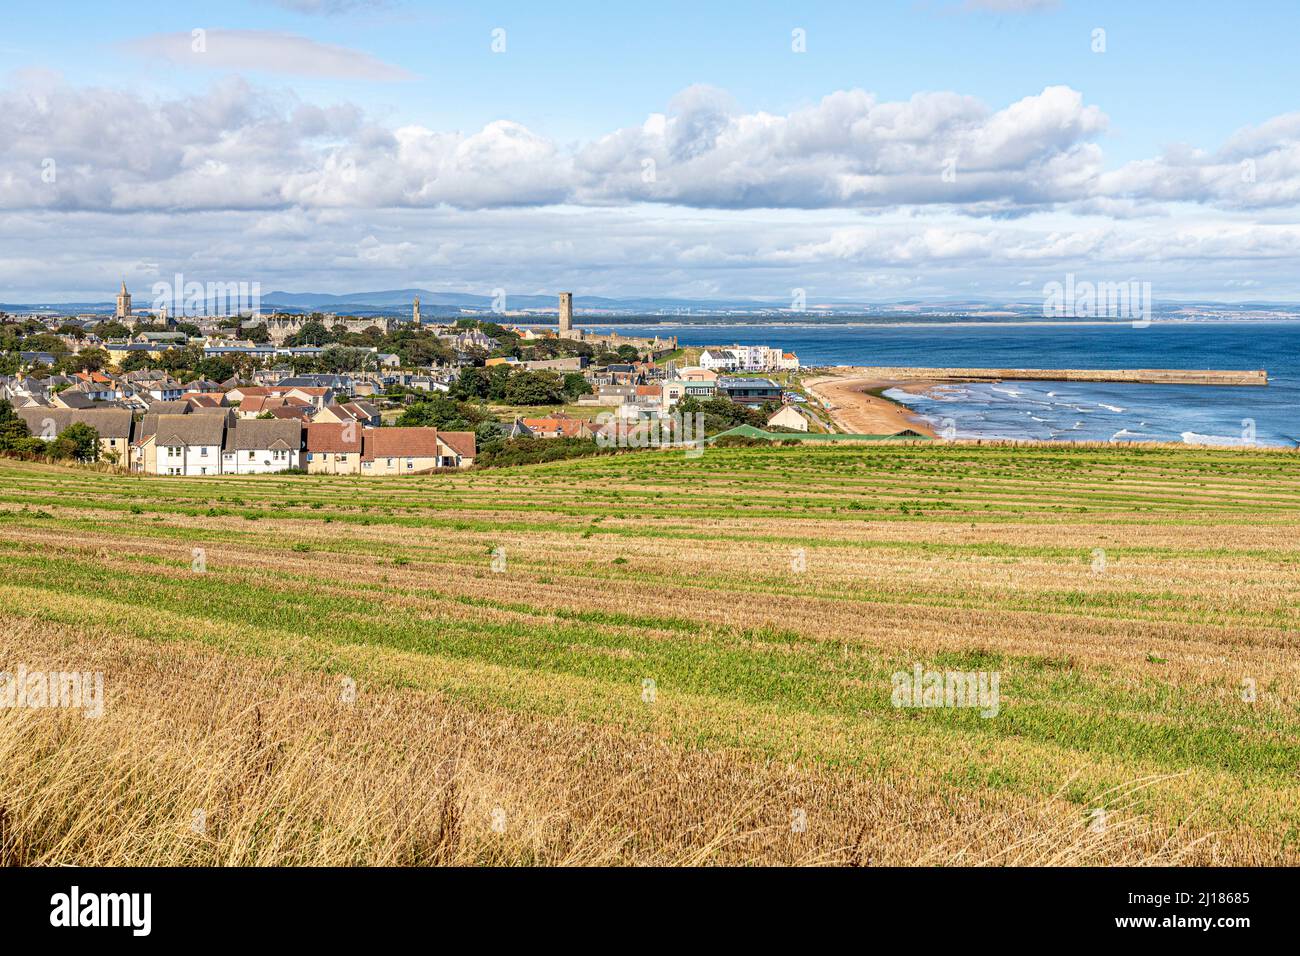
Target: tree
79, 441
471, 383
439, 411
12, 428
112, 329
91, 360
535, 388
312, 333
575, 384
136, 362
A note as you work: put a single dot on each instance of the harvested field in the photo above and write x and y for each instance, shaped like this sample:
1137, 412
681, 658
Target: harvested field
648, 658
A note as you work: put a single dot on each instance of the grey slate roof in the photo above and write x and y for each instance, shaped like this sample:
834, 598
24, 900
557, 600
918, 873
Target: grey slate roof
190, 429
257, 434
109, 422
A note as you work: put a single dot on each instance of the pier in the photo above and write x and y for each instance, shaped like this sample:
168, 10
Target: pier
1148, 376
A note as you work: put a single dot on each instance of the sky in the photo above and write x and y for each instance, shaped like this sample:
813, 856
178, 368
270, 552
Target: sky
870, 151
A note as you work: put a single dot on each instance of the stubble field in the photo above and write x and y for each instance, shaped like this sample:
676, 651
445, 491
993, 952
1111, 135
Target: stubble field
649, 659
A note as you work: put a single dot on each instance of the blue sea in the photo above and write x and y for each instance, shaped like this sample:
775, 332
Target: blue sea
1057, 410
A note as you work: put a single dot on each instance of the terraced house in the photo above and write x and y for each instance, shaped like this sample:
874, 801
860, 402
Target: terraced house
259, 446
114, 426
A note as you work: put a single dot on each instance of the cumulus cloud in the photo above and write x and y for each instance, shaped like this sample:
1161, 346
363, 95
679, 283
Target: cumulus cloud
295, 194
1256, 168
264, 50
239, 147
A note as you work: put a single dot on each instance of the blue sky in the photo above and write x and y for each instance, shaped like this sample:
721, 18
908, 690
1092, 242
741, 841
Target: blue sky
346, 144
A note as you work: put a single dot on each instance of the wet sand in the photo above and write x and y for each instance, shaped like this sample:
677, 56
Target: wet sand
858, 413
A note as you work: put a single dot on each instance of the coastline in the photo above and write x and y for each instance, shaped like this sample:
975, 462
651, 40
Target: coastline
855, 411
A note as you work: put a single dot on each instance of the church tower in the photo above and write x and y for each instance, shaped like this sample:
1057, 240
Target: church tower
123, 303
566, 313
415, 311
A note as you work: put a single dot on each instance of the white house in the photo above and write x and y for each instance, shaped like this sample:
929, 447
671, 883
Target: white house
255, 446
189, 444
789, 417
718, 360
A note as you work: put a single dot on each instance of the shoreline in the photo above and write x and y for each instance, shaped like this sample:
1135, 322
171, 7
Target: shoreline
855, 411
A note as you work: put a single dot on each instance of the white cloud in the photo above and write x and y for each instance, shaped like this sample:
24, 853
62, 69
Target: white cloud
846, 193
264, 50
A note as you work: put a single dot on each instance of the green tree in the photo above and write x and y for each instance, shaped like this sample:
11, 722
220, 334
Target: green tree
575, 384
535, 388
12, 428
91, 360
313, 332
79, 441
440, 411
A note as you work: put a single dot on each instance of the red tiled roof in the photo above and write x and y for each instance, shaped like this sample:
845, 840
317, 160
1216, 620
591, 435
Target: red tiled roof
332, 437
568, 427
462, 443
291, 411
401, 443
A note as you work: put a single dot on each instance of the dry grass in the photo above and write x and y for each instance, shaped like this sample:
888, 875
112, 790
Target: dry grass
286, 772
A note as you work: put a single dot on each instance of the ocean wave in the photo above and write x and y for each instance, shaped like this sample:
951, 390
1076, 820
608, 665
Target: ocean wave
1113, 408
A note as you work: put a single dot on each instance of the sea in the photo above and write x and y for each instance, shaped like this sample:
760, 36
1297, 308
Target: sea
1061, 411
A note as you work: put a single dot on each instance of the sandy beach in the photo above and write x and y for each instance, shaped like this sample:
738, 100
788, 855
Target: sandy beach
856, 412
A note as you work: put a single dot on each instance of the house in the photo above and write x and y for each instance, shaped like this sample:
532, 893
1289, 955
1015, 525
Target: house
750, 391
788, 417
340, 384
407, 451
334, 448
714, 360
294, 412
361, 412
555, 426
257, 446
188, 445
114, 426
316, 395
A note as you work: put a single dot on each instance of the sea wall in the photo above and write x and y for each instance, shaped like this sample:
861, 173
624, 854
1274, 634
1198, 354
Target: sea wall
1151, 376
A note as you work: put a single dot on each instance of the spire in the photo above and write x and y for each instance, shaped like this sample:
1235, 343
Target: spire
124, 285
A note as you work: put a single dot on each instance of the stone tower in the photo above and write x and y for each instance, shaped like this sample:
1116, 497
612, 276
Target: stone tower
566, 312
123, 310
415, 311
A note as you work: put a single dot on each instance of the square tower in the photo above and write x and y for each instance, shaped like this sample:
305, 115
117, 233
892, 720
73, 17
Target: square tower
566, 312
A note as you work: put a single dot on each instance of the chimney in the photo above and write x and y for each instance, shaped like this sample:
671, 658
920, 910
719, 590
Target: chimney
566, 312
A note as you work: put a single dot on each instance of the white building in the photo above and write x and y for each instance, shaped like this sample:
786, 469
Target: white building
189, 445
256, 446
748, 358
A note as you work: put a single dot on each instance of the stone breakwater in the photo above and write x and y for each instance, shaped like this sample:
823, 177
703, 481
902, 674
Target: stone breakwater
1148, 376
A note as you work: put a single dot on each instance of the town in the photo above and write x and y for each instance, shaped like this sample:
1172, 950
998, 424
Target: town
149, 392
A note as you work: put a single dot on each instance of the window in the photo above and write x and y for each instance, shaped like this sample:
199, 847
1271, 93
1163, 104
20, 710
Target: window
342, 457
252, 455
203, 452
